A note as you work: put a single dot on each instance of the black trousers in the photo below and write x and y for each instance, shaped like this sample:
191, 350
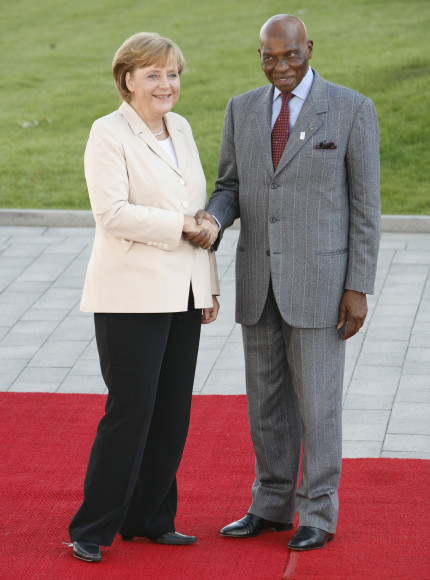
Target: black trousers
148, 363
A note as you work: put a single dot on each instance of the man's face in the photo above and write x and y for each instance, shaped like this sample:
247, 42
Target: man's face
285, 53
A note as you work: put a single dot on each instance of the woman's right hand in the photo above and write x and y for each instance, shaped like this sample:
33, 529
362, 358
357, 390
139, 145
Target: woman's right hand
207, 231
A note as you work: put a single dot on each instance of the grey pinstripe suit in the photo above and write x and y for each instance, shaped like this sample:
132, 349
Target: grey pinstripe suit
309, 230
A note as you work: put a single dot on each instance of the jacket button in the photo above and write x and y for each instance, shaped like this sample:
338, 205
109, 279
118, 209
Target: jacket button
273, 186
185, 204
267, 252
273, 220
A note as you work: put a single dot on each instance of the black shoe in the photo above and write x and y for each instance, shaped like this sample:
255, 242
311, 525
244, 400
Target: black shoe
308, 538
251, 526
174, 539
87, 551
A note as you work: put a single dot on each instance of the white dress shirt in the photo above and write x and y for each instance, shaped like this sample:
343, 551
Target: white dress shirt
300, 93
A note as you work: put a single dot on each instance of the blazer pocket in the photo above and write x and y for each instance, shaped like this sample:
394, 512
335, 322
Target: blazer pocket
331, 252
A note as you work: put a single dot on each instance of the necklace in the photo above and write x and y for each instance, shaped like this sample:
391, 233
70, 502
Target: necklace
160, 132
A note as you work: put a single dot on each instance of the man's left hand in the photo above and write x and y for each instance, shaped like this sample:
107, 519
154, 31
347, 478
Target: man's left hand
353, 310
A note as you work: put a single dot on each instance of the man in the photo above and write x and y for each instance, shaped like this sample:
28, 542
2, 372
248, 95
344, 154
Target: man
306, 258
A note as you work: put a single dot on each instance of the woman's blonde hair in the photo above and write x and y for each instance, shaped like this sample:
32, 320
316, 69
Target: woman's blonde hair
142, 50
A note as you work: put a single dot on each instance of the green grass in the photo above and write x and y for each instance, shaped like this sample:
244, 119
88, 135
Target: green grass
56, 69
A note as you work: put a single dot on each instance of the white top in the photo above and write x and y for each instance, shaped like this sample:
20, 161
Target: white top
167, 145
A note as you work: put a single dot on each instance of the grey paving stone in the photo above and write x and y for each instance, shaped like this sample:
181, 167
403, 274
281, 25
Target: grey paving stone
34, 379
70, 246
36, 240
225, 382
90, 353
59, 298
74, 328
59, 353
15, 263
415, 443
393, 321
84, 367
414, 389
392, 310
387, 244
45, 314
76, 268
410, 419
378, 401
354, 449
412, 257
416, 368
83, 384
418, 354
364, 425
80, 233
405, 455
373, 388
377, 374
15, 339
17, 352
22, 231
390, 333
387, 353
3, 331
35, 288
24, 250
218, 329
230, 361
70, 282
10, 368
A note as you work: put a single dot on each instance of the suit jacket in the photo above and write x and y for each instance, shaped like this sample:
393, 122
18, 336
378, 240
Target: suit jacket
312, 226
139, 261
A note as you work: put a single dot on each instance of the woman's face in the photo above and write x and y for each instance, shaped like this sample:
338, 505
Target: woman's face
154, 89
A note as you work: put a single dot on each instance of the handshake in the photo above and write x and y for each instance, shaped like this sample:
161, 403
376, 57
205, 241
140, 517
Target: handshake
201, 230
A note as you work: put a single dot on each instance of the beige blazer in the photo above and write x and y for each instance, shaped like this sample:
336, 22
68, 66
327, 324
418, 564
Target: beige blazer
139, 261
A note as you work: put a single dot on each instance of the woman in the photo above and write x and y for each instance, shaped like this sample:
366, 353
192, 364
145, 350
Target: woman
148, 287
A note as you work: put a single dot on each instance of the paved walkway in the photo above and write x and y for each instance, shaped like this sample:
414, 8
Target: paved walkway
46, 344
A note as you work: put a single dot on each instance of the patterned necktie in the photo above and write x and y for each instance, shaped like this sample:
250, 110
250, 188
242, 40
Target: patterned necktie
281, 129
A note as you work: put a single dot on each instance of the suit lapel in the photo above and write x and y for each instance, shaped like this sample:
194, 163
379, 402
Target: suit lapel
140, 128
307, 122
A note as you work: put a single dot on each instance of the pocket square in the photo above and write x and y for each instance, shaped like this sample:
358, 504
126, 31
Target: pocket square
326, 145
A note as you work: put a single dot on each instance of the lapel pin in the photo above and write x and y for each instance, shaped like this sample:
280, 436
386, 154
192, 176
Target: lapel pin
302, 135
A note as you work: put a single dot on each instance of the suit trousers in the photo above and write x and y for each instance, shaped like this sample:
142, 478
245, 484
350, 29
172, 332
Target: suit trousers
294, 381
148, 363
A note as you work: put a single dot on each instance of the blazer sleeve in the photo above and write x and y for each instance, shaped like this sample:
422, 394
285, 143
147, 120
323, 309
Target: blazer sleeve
215, 286
224, 201
363, 169
108, 187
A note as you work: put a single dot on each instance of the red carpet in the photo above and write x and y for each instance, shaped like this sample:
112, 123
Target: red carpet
384, 530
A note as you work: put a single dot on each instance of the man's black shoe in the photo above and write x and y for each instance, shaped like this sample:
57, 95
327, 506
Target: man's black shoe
87, 551
251, 526
308, 538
